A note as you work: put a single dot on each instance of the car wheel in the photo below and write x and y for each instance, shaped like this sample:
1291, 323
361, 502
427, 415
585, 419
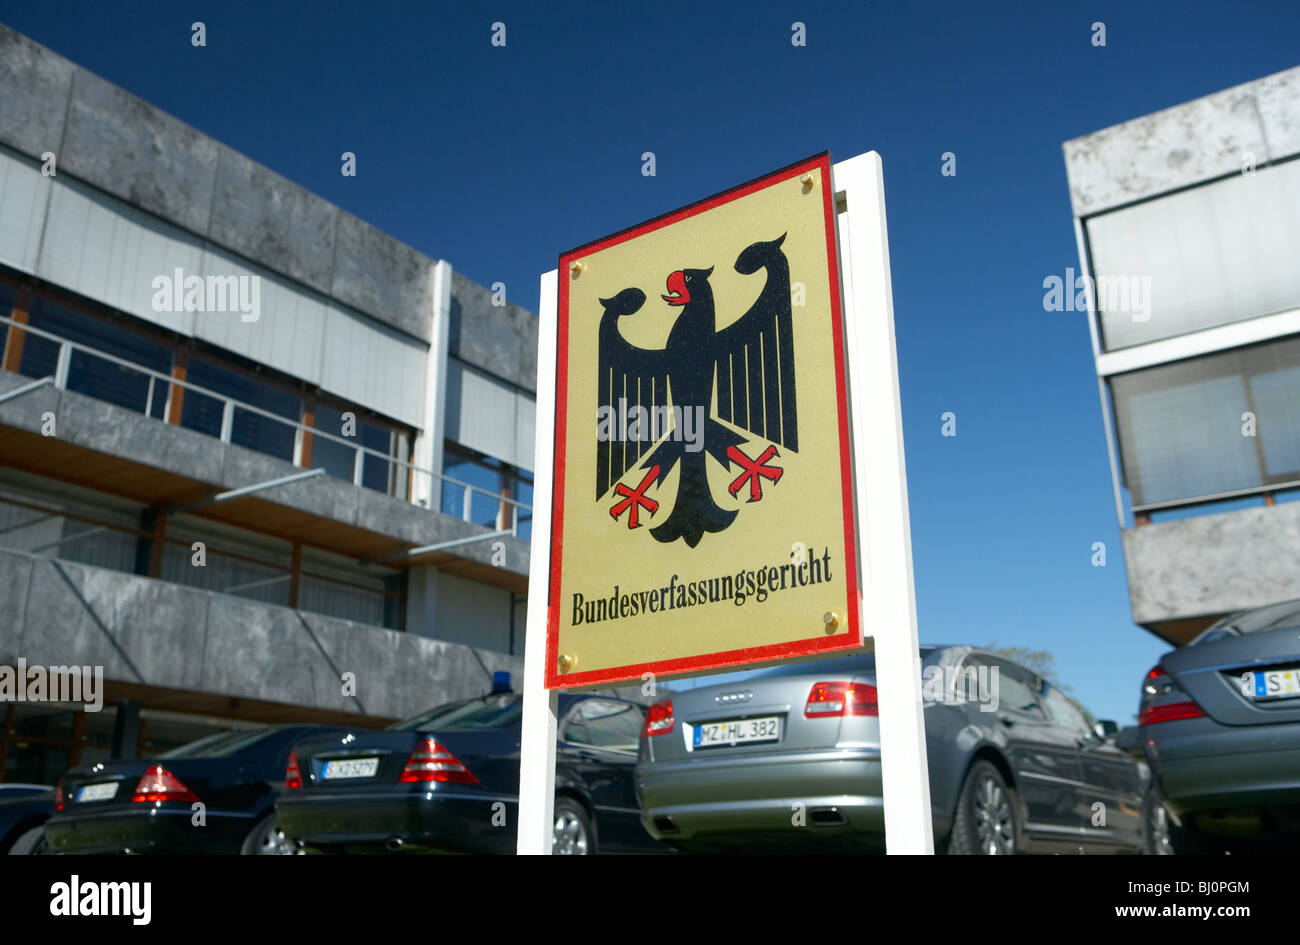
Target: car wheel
572, 835
267, 839
986, 820
1162, 837
31, 843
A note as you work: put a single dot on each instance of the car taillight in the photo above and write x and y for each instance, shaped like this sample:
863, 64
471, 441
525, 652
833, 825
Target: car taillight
58, 795
292, 776
159, 784
841, 698
1158, 685
658, 719
431, 762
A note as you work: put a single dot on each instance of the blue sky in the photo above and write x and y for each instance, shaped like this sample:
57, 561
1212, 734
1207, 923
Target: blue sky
498, 159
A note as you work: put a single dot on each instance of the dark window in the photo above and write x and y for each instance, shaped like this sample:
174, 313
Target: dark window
221, 745
249, 429
95, 376
494, 711
335, 458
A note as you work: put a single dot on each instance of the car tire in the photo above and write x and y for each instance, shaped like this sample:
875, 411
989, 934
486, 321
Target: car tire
31, 843
987, 820
1161, 836
267, 839
572, 834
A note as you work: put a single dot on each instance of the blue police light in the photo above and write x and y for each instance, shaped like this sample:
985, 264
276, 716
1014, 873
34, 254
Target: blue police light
500, 681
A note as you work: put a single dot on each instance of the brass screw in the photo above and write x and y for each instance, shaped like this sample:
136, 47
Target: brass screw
576, 267
832, 620
565, 662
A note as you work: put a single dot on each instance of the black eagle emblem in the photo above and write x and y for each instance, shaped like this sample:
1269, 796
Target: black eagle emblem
750, 363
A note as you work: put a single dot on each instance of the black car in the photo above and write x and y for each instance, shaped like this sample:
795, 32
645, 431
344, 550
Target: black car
24, 808
215, 795
448, 781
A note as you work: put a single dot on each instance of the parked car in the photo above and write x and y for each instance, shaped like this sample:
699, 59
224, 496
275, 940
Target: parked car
24, 808
789, 759
148, 806
448, 781
1220, 726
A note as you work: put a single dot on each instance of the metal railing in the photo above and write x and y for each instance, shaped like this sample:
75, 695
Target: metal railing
508, 508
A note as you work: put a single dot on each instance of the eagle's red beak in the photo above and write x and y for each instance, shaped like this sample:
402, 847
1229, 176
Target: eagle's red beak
677, 288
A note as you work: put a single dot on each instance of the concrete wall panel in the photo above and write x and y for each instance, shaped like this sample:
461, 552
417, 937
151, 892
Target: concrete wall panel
1213, 564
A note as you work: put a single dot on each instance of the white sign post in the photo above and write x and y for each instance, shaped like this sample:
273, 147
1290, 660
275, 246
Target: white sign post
884, 530
884, 533
537, 737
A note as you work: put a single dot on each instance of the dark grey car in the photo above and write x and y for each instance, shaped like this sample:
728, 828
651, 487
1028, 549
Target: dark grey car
789, 759
1220, 726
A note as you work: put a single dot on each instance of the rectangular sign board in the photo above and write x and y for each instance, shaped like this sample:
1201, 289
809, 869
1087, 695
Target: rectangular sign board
703, 513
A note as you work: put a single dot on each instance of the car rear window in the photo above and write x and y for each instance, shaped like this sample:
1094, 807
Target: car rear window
494, 711
838, 665
220, 745
1274, 617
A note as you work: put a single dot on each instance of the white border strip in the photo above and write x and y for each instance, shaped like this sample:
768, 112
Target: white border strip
1206, 341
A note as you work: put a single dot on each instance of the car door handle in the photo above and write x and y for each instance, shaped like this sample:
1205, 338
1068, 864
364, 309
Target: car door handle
589, 755
1006, 719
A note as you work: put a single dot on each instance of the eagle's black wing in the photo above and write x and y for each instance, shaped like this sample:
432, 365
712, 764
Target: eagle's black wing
754, 355
635, 375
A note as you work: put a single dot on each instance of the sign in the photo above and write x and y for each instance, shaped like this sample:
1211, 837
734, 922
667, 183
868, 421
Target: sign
703, 480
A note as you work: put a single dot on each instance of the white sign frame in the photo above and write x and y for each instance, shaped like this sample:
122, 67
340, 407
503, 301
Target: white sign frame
884, 531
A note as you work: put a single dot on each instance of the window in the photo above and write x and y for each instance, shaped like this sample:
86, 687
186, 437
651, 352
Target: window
338, 459
492, 480
494, 711
1063, 712
1013, 687
252, 430
1210, 255
95, 376
601, 723
1180, 425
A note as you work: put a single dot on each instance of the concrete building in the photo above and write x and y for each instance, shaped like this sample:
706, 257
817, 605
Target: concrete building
184, 333
1189, 221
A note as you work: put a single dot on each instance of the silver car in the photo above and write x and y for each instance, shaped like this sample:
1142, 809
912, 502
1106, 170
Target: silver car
1219, 721
789, 759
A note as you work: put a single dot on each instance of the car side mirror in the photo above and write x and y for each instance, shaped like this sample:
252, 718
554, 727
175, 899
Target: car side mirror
1106, 729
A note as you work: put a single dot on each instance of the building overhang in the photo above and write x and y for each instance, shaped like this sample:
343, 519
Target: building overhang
100, 446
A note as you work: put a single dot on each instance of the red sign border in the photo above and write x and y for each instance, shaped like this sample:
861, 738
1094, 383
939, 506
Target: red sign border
729, 659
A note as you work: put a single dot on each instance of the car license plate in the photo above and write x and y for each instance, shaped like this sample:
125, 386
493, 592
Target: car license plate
1271, 683
350, 768
97, 792
738, 732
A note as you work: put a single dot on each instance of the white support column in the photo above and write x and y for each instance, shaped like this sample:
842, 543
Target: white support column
537, 742
884, 529
429, 444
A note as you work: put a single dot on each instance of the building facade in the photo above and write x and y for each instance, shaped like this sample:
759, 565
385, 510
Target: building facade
259, 461
1188, 225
